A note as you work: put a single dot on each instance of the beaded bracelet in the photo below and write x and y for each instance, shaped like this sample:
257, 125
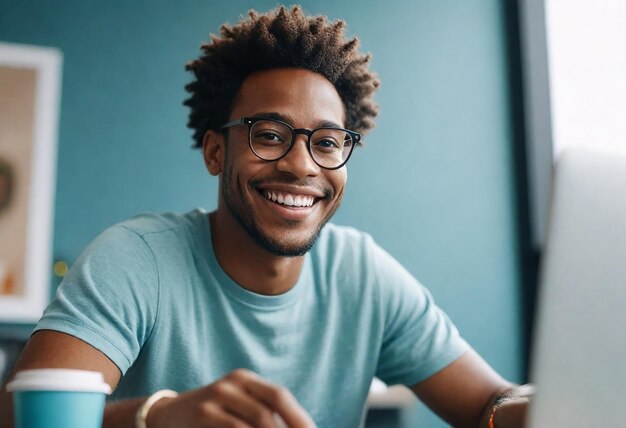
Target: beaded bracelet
506, 395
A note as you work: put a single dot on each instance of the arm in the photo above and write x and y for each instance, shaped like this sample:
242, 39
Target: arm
50, 349
240, 399
465, 392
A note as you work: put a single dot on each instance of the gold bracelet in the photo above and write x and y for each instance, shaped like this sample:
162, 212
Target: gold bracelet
142, 412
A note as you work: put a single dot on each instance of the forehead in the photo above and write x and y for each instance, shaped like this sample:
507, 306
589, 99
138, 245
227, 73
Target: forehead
306, 96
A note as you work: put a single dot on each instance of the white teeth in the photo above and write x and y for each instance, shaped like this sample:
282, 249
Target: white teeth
290, 200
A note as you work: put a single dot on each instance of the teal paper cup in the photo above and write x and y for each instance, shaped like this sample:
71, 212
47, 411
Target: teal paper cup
58, 398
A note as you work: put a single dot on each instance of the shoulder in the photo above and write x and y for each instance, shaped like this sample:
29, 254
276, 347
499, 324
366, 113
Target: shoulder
351, 253
155, 223
145, 233
346, 244
354, 256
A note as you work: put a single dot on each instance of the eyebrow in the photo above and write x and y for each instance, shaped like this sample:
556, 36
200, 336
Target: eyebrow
288, 119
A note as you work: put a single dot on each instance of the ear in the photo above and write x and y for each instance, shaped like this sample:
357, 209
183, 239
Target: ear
213, 152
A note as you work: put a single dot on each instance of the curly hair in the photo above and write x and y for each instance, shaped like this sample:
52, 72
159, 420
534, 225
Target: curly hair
281, 38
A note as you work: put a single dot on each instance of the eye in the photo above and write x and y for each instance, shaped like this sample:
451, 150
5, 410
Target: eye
330, 140
327, 144
268, 135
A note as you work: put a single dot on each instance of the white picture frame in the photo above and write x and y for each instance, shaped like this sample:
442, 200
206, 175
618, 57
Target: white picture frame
34, 193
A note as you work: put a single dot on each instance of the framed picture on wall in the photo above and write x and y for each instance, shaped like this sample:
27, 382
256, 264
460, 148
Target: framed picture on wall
30, 80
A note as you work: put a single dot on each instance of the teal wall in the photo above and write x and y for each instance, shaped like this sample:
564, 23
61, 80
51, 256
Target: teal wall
434, 184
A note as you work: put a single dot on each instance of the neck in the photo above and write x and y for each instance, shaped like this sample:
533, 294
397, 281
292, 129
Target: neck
248, 264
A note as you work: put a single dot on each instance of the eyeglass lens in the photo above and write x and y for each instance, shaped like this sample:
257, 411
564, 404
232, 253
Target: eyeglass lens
329, 147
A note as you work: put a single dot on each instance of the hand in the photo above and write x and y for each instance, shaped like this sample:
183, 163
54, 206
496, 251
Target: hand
241, 399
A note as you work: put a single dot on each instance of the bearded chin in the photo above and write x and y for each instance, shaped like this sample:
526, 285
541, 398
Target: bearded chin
269, 243
246, 216
275, 246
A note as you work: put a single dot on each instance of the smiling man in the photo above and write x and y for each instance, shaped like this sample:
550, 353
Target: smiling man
279, 185
261, 313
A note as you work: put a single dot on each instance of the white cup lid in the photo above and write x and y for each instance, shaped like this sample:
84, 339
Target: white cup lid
59, 380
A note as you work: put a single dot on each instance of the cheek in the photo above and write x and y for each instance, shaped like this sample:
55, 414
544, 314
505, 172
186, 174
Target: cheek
338, 180
243, 168
236, 161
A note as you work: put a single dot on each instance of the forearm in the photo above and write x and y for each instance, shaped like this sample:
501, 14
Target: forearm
121, 414
508, 408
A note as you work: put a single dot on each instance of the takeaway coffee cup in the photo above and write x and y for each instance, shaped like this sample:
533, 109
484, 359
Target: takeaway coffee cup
58, 398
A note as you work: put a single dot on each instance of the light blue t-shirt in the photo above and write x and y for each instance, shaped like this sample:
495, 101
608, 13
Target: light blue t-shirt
150, 294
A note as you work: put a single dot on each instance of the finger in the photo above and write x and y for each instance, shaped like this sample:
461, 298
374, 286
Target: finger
237, 401
280, 422
217, 417
281, 401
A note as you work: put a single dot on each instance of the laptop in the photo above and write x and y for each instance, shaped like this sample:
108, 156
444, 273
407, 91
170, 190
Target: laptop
579, 363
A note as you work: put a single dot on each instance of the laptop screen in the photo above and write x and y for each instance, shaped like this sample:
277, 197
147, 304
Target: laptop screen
579, 363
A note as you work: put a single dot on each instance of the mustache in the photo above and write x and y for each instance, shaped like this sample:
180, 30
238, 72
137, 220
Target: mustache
289, 180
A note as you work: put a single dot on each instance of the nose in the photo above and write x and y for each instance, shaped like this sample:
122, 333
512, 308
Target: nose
298, 161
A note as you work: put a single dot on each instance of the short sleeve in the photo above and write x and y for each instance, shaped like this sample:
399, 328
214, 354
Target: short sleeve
109, 299
419, 339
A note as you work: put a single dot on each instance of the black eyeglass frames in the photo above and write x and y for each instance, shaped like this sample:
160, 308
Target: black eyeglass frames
271, 139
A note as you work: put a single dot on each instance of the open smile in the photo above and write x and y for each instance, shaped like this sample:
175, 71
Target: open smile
294, 205
289, 199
